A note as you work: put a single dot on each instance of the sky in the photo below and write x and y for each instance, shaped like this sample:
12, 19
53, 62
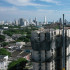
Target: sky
29, 9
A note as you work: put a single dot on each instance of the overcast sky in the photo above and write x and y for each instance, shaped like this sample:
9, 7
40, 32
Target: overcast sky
52, 9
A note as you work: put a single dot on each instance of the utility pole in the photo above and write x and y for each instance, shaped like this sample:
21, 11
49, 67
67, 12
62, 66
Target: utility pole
63, 50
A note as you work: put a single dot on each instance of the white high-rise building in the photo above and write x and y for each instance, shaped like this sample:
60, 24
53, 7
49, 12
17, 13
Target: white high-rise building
45, 20
31, 22
16, 22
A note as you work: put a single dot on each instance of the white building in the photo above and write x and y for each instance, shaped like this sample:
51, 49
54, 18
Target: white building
16, 22
45, 20
19, 45
1, 32
3, 62
68, 51
5, 27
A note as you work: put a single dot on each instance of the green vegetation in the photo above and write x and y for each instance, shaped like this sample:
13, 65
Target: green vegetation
10, 27
57, 27
2, 38
20, 63
1, 26
4, 52
23, 38
10, 32
25, 32
5, 44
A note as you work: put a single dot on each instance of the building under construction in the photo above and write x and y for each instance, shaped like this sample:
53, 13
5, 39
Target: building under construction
47, 53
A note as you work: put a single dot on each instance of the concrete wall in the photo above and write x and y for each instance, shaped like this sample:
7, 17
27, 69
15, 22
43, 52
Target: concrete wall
52, 64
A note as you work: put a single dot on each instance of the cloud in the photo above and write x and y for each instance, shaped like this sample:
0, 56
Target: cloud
10, 13
4, 9
51, 1
23, 3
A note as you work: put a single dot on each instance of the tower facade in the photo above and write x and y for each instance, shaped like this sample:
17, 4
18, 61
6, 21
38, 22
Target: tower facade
47, 53
41, 54
22, 22
45, 20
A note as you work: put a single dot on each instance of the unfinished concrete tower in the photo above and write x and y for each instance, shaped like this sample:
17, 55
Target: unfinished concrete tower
47, 53
41, 42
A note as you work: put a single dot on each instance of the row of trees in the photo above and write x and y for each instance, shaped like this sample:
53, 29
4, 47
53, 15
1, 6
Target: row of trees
18, 64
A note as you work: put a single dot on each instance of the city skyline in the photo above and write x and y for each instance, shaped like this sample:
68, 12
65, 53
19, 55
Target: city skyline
52, 9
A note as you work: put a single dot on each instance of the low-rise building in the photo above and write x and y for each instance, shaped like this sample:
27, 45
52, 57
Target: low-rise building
3, 62
15, 36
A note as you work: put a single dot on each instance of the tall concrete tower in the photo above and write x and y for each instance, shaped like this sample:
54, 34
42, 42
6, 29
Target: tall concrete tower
41, 44
47, 49
45, 20
35, 21
60, 21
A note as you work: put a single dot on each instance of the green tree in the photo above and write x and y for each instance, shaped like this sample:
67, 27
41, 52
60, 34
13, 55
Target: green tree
5, 44
23, 38
26, 39
20, 64
8, 32
2, 38
20, 38
4, 52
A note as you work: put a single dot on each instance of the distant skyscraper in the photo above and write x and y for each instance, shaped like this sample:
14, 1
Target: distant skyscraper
45, 20
30, 21
60, 21
35, 21
22, 22
16, 22
53, 21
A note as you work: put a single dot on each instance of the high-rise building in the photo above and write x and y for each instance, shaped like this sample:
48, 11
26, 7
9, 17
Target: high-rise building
41, 44
47, 49
16, 22
35, 21
22, 22
45, 20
